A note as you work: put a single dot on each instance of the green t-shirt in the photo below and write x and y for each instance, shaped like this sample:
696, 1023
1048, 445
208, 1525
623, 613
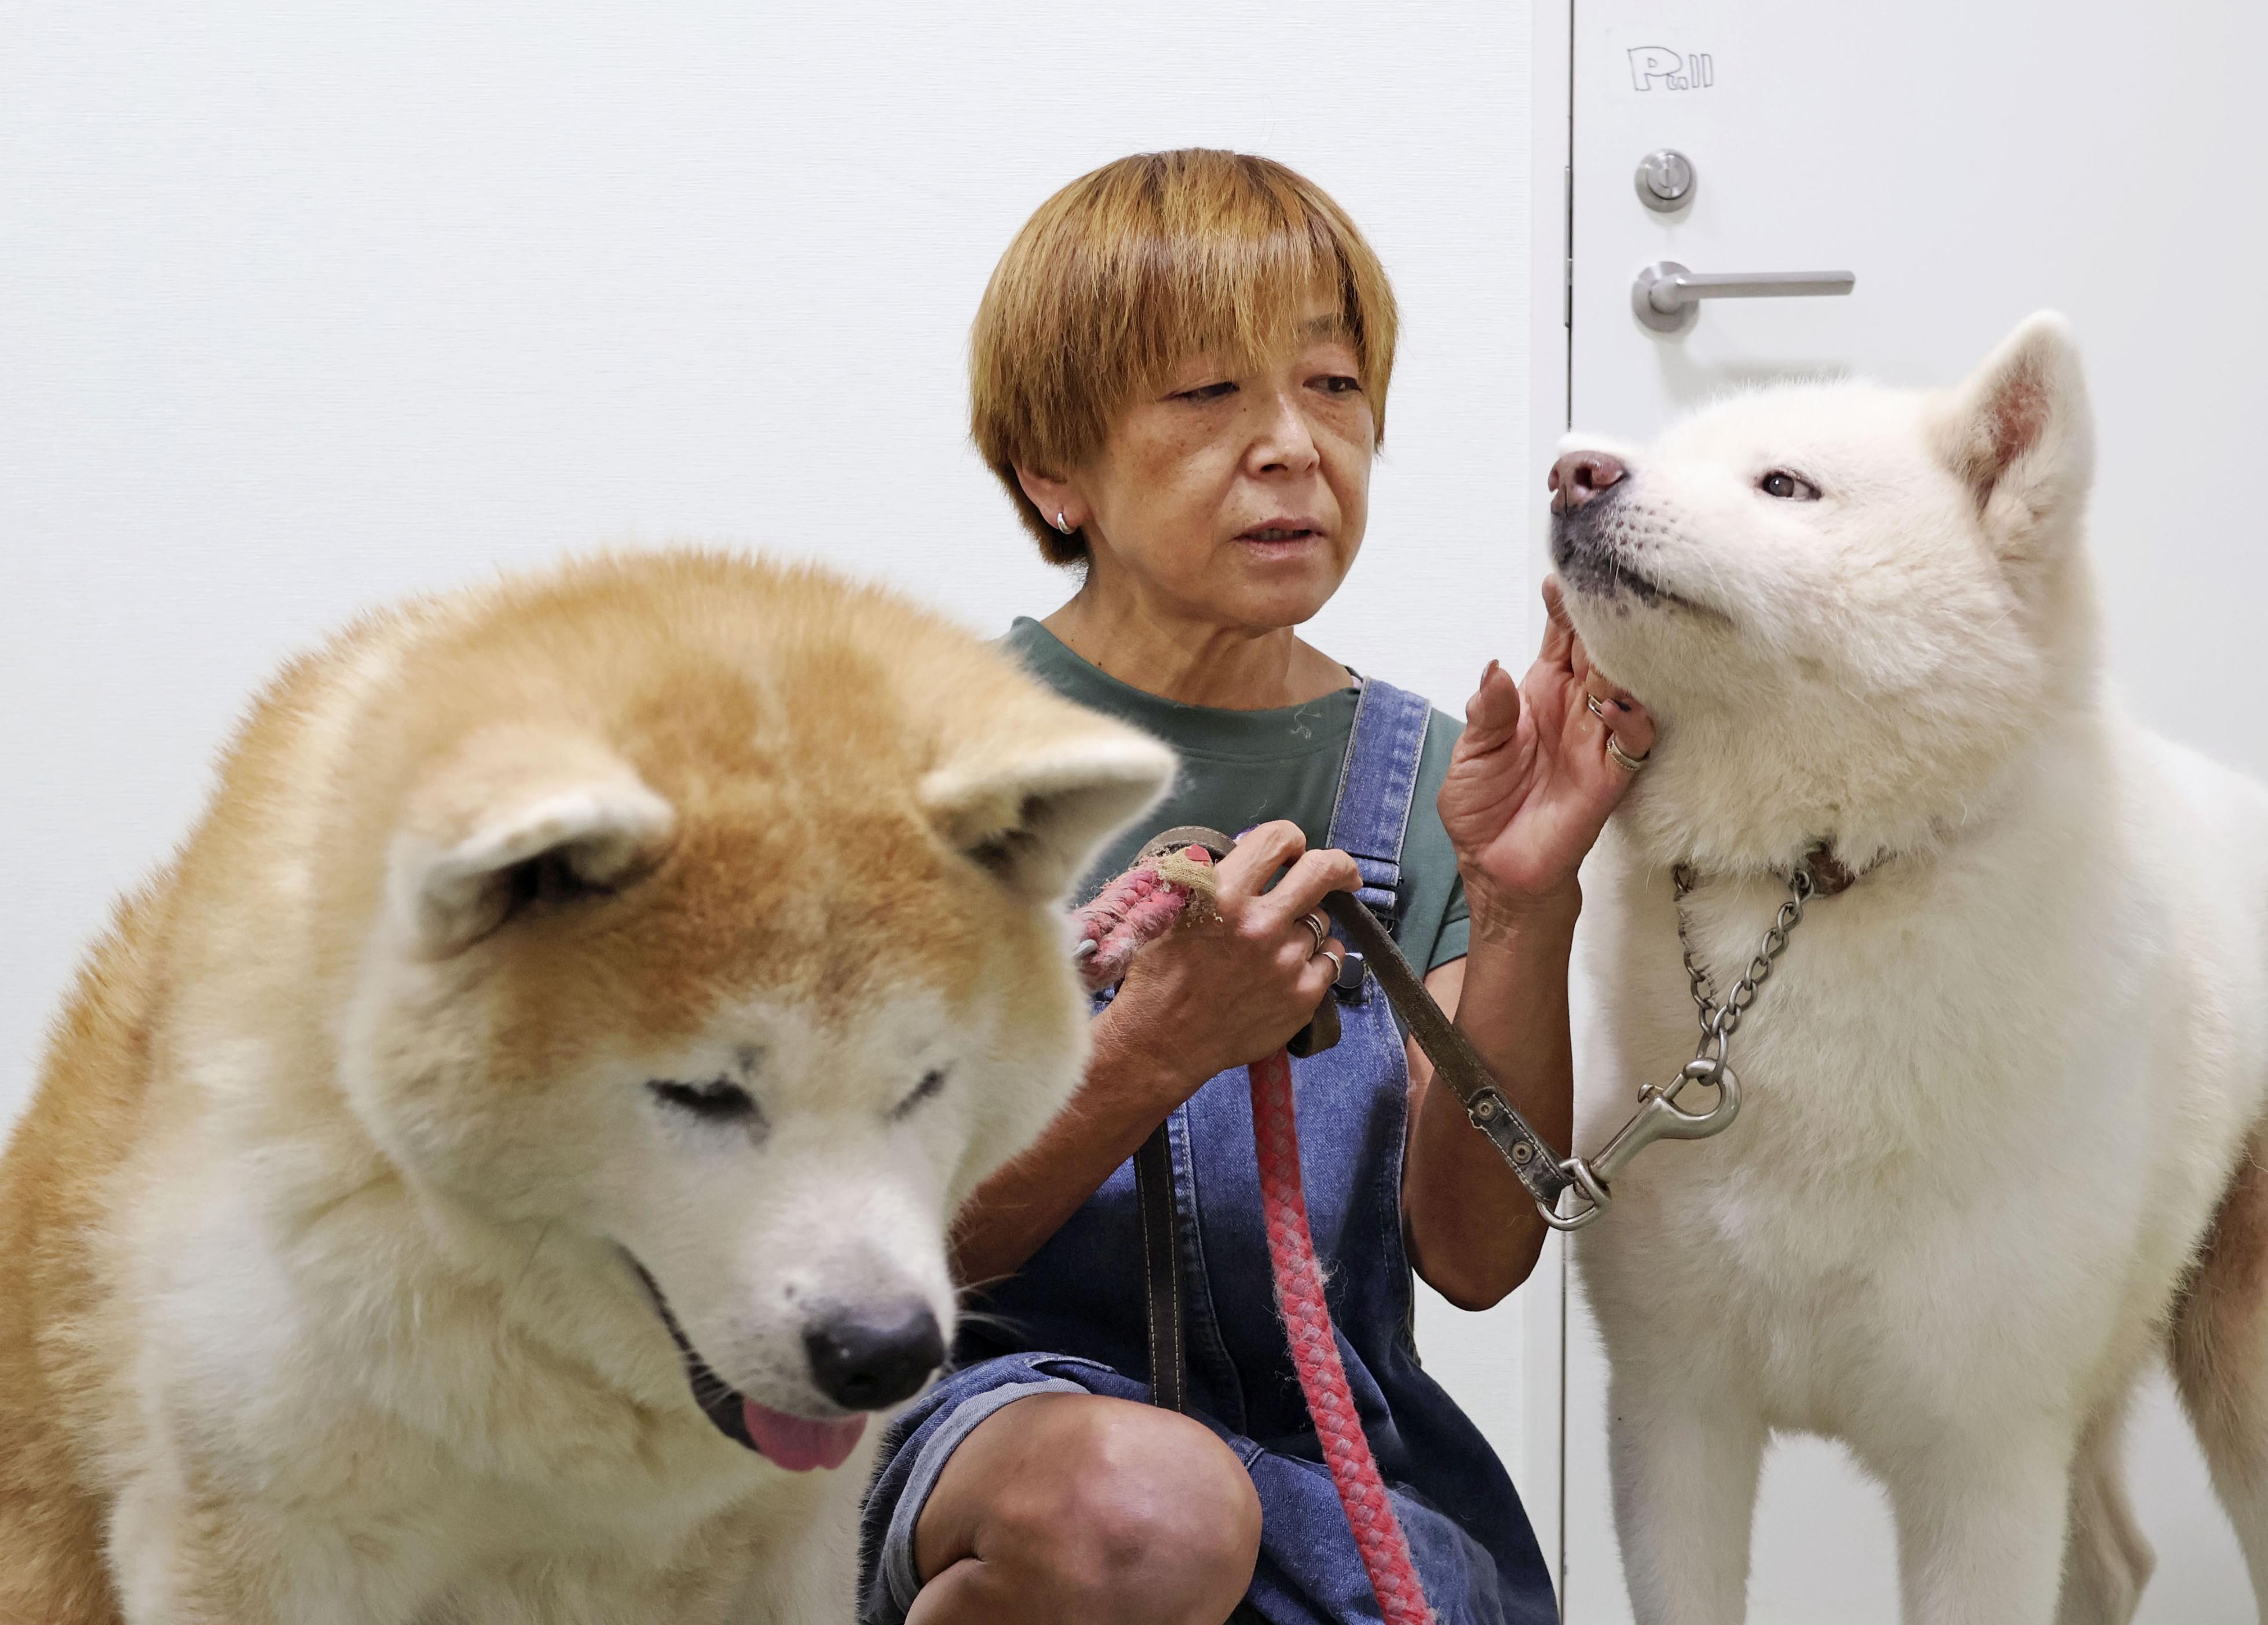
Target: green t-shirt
1239, 768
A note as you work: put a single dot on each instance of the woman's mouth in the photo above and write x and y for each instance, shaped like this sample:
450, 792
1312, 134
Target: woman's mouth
1280, 534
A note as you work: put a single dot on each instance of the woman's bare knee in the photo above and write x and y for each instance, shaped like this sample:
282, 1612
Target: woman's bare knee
1157, 1503
1088, 1508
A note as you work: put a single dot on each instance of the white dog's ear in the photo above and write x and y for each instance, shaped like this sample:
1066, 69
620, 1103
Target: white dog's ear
2020, 435
515, 818
1035, 812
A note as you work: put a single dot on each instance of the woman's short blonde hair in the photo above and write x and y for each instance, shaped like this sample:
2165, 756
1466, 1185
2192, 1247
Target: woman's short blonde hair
1135, 267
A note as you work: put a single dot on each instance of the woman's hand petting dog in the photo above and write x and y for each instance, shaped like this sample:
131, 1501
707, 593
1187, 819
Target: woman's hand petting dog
1532, 781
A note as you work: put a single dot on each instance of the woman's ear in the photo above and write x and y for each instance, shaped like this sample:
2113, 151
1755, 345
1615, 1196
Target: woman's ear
1058, 500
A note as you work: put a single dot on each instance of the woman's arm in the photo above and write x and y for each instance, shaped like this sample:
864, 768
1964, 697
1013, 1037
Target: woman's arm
1527, 793
1168, 1030
1127, 1092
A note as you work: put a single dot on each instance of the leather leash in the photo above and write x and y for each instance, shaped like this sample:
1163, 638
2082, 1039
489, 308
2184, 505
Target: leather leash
1161, 1269
1456, 1061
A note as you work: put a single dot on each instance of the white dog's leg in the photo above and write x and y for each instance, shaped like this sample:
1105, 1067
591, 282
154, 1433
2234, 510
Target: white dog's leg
2219, 1356
1981, 1521
1685, 1465
2107, 1560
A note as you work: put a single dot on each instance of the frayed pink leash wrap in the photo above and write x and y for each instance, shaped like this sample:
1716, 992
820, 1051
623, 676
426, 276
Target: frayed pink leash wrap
1141, 906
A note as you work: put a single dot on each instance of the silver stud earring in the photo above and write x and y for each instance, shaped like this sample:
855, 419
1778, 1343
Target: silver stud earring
1062, 524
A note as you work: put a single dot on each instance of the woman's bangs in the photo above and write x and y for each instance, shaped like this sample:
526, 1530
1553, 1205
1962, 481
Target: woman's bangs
1237, 291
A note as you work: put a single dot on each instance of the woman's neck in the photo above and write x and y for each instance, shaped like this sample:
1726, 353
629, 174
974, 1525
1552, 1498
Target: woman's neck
1192, 660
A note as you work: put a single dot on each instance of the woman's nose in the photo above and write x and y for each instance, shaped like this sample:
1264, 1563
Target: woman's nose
1285, 441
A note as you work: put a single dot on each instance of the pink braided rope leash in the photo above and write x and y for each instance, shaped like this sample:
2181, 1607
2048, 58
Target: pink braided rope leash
1139, 906
1291, 1259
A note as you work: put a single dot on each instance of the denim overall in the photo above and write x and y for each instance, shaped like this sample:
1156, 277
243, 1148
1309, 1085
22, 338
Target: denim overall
1073, 1318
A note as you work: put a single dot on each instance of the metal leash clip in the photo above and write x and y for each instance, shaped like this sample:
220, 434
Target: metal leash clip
1659, 1116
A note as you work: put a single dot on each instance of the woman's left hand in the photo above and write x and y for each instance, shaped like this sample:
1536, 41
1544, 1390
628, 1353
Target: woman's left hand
1531, 782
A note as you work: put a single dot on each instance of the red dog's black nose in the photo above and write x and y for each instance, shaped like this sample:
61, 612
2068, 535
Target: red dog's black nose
864, 1361
1578, 476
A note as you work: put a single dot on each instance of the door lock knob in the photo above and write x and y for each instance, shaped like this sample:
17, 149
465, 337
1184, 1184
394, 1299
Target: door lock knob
1665, 180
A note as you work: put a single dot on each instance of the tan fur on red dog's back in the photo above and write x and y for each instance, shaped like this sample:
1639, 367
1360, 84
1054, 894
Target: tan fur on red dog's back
58, 1176
831, 759
69, 1140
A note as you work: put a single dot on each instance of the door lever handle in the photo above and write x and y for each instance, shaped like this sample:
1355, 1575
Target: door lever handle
1667, 296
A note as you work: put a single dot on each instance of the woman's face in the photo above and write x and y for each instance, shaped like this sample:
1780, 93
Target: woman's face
1239, 497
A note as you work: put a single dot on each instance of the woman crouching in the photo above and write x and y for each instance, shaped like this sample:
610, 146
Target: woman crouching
1179, 372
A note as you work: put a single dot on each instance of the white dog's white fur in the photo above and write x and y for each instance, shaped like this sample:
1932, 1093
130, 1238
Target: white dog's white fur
2002, 1096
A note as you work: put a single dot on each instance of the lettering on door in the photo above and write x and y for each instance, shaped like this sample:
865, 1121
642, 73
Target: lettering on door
1659, 68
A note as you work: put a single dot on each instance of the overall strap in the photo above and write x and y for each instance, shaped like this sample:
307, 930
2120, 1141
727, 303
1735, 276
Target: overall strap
1377, 783
1161, 1269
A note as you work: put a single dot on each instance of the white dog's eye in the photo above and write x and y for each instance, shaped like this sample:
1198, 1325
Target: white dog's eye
717, 1101
1788, 487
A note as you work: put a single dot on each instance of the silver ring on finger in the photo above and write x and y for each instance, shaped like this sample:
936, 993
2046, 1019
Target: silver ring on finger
1320, 926
1623, 759
1337, 959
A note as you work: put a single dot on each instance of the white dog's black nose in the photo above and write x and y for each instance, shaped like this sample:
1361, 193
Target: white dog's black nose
865, 1358
1578, 476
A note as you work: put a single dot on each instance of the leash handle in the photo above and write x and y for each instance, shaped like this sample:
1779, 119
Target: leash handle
1321, 1032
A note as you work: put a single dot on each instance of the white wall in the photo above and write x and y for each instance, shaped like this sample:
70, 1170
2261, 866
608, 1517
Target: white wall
304, 307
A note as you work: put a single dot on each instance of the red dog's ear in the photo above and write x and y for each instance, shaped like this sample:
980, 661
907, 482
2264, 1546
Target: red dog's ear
2020, 435
514, 814
1035, 810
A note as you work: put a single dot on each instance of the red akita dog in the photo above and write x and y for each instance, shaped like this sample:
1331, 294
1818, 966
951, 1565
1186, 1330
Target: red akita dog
518, 1129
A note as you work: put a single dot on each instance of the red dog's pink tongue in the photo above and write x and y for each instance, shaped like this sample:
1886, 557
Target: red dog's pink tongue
797, 1443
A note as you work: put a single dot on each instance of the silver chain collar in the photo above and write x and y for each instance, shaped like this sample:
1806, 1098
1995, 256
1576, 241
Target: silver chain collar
1659, 1116
1720, 1022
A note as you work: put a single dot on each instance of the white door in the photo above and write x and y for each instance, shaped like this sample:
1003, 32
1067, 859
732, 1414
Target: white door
1968, 161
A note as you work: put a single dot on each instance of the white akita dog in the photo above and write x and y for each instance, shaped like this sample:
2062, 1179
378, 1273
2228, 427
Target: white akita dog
2003, 1095
491, 1175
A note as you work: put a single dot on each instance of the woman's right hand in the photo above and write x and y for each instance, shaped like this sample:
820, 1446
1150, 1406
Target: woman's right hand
1208, 995
1227, 991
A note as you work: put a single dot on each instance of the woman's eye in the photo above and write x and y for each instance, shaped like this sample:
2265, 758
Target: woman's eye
1788, 487
1205, 391
717, 1101
1341, 385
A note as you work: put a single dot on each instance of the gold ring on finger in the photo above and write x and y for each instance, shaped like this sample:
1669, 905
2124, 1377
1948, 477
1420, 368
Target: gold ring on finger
1595, 706
1623, 759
